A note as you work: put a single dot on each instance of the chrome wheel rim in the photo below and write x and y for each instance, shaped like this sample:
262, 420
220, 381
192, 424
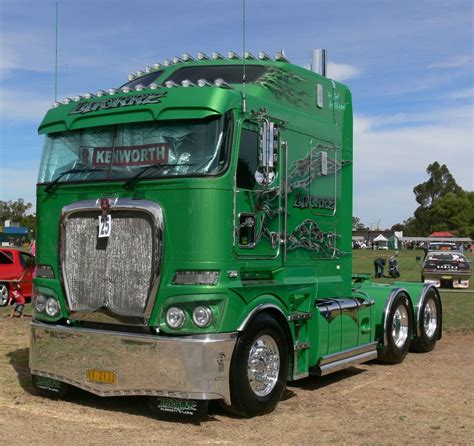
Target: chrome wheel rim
3, 294
400, 326
263, 365
430, 318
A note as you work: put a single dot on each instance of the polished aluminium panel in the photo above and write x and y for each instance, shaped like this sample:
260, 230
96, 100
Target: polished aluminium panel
122, 276
191, 367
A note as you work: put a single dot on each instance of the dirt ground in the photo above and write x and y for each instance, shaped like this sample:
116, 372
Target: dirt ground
428, 399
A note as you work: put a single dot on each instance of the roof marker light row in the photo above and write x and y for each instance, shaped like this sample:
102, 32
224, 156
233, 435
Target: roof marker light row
100, 93
232, 55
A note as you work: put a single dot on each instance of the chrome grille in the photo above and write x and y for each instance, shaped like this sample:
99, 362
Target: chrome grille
115, 274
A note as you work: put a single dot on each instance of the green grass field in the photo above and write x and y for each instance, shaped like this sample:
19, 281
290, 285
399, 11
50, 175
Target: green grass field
458, 307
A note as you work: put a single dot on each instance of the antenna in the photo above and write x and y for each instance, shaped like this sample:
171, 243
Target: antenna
56, 59
244, 77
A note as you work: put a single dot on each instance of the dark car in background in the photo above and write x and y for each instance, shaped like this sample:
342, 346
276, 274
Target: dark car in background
446, 269
15, 267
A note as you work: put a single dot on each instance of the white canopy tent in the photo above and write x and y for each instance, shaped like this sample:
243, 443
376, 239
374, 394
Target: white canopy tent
381, 242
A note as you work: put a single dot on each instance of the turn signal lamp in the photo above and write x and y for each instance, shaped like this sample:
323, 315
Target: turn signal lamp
196, 278
44, 271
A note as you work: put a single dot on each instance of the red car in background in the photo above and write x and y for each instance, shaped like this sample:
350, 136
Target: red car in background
15, 266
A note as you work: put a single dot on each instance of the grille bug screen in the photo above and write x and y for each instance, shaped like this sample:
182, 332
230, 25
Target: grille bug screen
113, 273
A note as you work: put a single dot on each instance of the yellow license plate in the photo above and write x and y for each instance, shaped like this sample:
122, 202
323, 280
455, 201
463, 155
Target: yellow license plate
101, 376
447, 277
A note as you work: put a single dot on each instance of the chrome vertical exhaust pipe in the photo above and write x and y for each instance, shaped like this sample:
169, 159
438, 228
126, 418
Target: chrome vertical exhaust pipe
319, 63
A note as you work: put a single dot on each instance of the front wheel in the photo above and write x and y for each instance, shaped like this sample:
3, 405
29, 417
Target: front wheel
259, 368
429, 324
4, 294
399, 328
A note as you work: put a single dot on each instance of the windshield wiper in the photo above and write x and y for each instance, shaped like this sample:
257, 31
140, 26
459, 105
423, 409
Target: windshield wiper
82, 170
145, 169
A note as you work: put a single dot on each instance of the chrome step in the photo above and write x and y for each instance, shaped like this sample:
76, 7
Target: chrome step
344, 359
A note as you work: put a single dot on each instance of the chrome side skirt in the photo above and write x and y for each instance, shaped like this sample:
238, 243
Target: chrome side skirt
344, 359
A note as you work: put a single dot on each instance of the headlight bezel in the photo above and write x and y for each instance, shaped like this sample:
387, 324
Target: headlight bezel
52, 302
207, 312
40, 302
179, 313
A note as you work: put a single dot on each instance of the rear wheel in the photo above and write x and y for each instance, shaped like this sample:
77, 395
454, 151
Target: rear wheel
259, 368
399, 329
429, 324
4, 294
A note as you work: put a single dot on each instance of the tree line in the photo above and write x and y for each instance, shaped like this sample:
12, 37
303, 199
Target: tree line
17, 211
443, 206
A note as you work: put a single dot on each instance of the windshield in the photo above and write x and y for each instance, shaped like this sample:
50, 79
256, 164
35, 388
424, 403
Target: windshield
446, 257
120, 152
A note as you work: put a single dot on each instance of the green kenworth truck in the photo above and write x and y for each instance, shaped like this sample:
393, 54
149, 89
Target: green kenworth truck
194, 240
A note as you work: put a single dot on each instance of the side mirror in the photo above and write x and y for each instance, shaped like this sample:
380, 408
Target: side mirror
265, 173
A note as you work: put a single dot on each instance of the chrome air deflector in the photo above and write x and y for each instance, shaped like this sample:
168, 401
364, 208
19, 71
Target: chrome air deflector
112, 279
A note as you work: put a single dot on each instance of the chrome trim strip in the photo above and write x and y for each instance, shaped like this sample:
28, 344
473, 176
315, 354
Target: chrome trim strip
335, 357
285, 222
195, 367
118, 204
256, 310
347, 362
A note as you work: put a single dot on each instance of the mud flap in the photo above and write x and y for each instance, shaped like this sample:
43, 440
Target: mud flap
50, 387
178, 409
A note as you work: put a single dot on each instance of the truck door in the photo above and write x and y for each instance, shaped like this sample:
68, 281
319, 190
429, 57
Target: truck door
258, 195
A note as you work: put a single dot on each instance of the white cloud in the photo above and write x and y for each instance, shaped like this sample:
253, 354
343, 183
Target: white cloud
18, 182
389, 162
467, 93
23, 105
455, 62
341, 72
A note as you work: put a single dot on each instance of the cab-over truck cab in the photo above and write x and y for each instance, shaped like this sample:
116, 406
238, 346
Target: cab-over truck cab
194, 240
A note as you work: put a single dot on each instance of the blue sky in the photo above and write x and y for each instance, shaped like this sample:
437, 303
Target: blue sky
409, 64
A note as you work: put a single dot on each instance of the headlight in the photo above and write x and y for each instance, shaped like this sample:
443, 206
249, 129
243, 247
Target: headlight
52, 307
40, 302
196, 278
175, 317
202, 316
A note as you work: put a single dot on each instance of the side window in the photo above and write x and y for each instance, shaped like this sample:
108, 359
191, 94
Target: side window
26, 259
5, 258
248, 159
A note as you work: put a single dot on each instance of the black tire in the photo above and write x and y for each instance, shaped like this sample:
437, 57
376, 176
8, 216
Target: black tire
266, 334
399, 331
50, 388
4, 294
429, 325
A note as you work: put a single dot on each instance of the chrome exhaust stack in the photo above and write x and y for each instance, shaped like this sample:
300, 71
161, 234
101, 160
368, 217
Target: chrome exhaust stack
319, 62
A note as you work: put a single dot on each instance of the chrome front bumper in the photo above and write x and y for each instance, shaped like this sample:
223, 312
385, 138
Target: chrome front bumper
191, 367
